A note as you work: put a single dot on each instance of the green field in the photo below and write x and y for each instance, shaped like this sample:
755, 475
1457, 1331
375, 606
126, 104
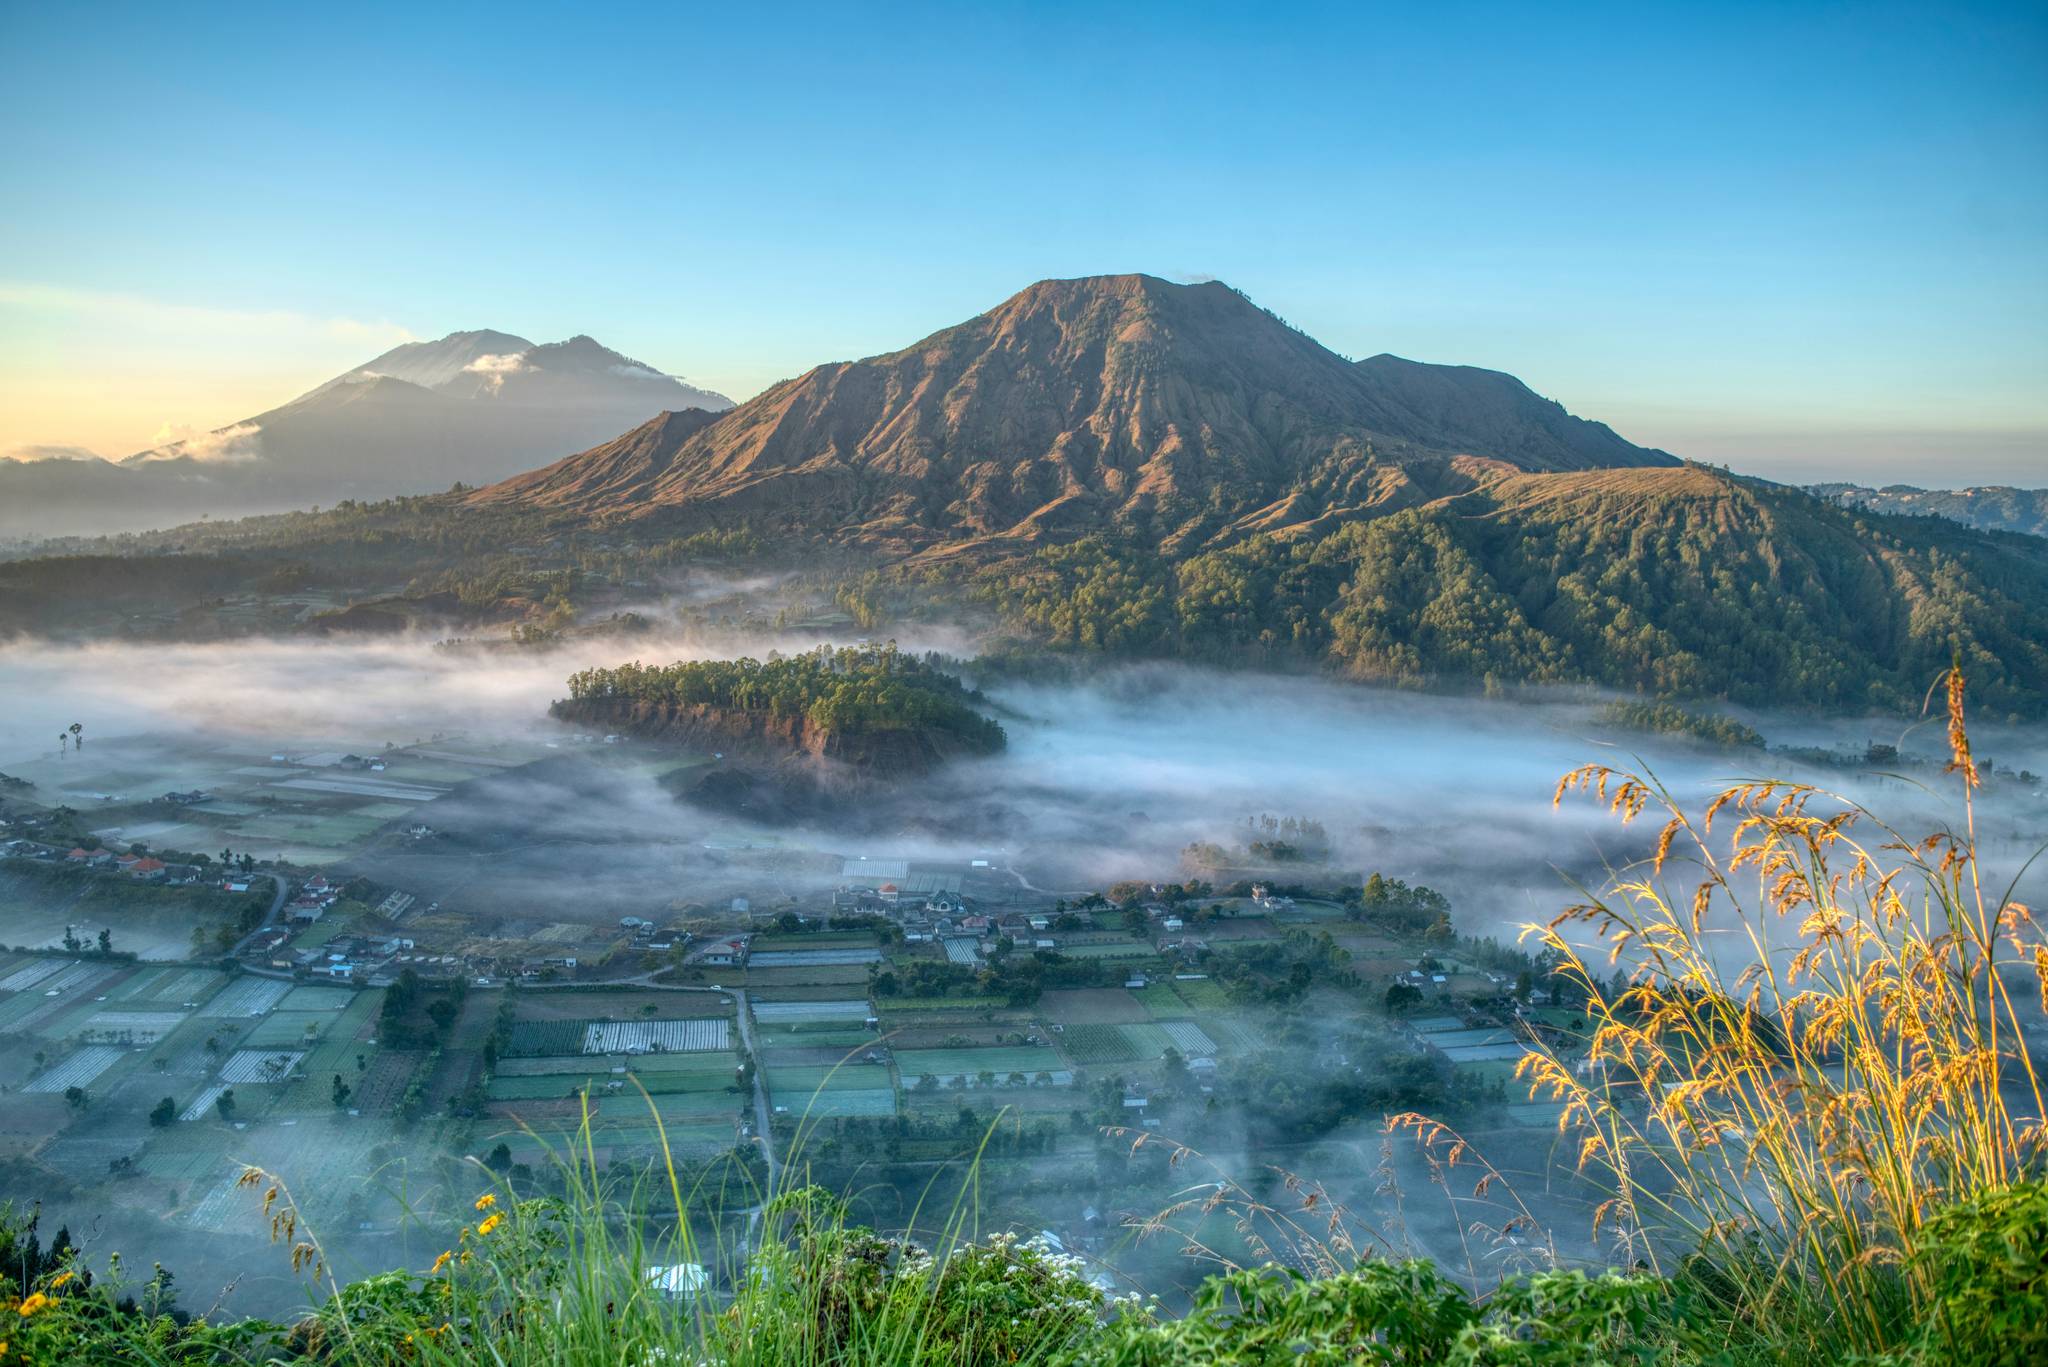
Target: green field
1203, 994
868, 1102
802, 1081
1002, 1061
1097, 1044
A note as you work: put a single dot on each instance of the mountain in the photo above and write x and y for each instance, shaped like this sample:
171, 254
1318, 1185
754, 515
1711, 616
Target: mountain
1183, 412
470, 407
1991, 507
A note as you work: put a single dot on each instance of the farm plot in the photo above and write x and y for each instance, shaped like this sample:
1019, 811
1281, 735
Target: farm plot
75, 976
784, 1083
966, 1065
1203, 994
185, 985
260, 1065
804, 1036
868, 1101
129, 1027
1114, 951
781, 1013
1233, 1035
1097, 1044
644, 1037
78, 1070
246, 997
531, 1038
1094, 1005
544, 1085
313, 998
1191, 1039
961, 950
811, 958
203, 1103
282, 1028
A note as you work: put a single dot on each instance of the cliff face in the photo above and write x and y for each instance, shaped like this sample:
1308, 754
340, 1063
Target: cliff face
830, 755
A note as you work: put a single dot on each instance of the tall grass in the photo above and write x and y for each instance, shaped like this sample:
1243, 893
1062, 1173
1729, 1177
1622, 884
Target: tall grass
1792, 1116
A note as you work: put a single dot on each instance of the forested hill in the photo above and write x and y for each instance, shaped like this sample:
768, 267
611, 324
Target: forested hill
1676, 583
872, 707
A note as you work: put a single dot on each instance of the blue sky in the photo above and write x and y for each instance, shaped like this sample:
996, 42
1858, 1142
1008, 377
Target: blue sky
1809, 240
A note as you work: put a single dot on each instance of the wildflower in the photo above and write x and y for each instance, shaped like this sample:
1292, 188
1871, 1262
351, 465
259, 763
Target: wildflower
440, 1262
486, 1201
60, 1279
33, 1304
490, 1224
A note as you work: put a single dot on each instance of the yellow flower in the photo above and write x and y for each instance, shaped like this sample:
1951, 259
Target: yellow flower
60, 1279
486, 1201
441, 1262
34, 1303
490, 1224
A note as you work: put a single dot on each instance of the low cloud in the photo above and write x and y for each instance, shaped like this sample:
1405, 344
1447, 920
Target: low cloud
494, 369
635, 372
235, 445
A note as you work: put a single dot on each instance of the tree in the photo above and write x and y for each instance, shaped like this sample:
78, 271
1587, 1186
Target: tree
1402, 998
77, 1097
106, 939
340, 1092
77, 736
1525, 983
163, 1113
225, 1105
500, 1158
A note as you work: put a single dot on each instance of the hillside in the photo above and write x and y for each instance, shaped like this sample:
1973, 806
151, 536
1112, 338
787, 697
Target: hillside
1181, 413
1991, 508
1684, 582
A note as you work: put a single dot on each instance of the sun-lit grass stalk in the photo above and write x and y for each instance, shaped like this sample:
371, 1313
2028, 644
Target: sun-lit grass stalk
1799, 1119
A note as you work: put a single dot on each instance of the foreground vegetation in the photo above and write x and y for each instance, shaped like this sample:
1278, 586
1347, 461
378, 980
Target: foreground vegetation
1828, 1153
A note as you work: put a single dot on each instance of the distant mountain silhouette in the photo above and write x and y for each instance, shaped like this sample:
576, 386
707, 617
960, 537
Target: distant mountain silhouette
471, 407
1989, 507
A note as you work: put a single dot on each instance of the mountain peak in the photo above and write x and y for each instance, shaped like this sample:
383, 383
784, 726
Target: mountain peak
1181, 412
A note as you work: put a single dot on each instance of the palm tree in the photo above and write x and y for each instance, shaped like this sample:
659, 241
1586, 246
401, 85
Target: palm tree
77, 735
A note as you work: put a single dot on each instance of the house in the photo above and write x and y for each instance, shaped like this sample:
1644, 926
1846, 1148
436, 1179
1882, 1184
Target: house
84, 856
306, 913
728, 953
126, 863
1136, 982
975, 925
147, 869
181, 874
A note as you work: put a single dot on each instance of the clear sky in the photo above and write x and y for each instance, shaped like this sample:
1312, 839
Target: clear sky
1810, 240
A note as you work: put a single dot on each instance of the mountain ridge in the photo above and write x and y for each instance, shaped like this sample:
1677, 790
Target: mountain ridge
1128, 401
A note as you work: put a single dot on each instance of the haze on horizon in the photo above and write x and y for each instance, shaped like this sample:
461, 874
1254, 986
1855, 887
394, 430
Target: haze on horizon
1808, 245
